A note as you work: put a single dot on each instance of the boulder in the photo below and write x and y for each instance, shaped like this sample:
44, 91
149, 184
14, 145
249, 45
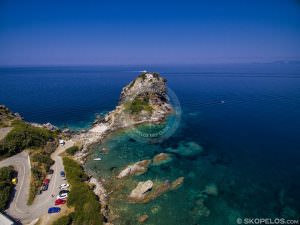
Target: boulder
143, 218
211, 189
141, 190
161, 158
177, 183
135, 169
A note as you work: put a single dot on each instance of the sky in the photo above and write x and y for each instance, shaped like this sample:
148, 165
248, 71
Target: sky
148, 32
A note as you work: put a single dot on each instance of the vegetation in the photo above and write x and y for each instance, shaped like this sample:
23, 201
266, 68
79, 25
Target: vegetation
138, 104
6, 187
24, 136
81, 197
6, 116
72, 150
41, 163
65, 220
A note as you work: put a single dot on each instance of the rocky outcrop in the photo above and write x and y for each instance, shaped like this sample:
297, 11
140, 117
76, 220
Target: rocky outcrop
143, 100
161, 158
100, 191
143, 218
135, 169
139, 195
7, 116
141, 190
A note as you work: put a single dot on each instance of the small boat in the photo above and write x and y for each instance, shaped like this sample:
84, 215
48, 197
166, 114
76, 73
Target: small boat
97, 159
222, 102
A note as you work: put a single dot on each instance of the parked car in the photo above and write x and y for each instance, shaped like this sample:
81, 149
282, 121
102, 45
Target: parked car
62, 174
51, 171
62, 197
46, 181
64, 186
53, 210
60, 201
45, 187
62, 142
63, 192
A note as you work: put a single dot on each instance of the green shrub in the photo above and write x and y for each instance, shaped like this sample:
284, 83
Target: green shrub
65, 220
138, 104
6, 187
72, 150
24, 136
87, 207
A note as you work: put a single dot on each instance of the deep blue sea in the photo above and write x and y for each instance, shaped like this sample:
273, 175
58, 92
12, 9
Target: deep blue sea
246, 118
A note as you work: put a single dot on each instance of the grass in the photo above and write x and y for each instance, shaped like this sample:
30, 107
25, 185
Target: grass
65, 220
72, 150
81, 197
6, 187
138, 104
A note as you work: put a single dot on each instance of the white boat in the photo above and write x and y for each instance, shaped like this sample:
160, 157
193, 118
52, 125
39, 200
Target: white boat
97, 159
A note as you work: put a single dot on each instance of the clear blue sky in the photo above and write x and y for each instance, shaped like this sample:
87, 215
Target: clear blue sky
148, 32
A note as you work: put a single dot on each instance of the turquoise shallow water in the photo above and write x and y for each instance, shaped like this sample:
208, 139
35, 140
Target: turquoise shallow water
245, 118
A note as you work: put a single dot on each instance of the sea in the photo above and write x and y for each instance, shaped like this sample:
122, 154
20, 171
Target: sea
244, 118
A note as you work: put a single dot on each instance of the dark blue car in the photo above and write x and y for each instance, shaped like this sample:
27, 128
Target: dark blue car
53, 210
62, 173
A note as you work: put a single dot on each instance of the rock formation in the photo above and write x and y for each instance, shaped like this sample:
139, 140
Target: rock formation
161, 158
137, 168
141, 189
144, 100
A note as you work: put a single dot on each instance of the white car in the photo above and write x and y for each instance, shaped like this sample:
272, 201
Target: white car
64, 186
62, 197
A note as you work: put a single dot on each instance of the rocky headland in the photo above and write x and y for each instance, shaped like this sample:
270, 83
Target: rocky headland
144, 100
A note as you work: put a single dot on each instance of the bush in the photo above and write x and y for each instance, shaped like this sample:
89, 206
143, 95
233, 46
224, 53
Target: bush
138, 104
87, 207
24, 136
65, 220
43, 159
6, 187
72, 150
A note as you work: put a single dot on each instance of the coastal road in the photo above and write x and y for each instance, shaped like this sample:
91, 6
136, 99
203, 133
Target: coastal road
18, 208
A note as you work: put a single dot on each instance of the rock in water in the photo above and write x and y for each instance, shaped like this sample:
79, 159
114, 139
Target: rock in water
211, 189
136, 169
161, 158
177, 183
143, 218
187, 149
141, 190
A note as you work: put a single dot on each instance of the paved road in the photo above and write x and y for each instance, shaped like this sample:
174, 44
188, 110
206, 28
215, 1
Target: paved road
18, 208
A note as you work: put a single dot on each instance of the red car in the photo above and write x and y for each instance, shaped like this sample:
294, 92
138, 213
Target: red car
46, 181
59, 202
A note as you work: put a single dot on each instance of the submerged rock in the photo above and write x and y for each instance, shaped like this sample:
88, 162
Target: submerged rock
211, 189
136, 169
177, 183
161, 158
143, 218
141, 189
200, 210
187, 149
